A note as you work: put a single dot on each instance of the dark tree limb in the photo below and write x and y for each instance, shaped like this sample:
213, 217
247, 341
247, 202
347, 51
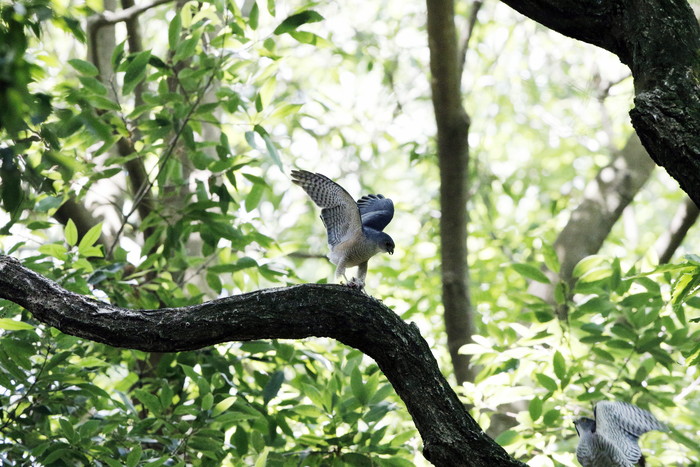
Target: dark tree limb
450, 436
453, 157
659, 40
671, 239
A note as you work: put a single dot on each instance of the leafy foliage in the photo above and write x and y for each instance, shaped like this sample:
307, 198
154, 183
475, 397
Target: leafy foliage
180, 147
628, 338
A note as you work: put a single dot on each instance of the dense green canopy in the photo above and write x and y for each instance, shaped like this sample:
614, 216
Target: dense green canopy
145, 152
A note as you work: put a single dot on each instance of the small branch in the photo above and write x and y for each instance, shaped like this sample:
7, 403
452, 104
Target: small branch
476, 6
671, 239
450, 436
113, 17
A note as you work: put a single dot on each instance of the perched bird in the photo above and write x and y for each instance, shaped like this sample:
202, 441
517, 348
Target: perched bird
354, 228
611, 439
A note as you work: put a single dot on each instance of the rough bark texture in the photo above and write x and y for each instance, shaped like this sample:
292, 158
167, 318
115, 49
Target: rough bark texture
659, 40
453, 156
450, 436
604, 199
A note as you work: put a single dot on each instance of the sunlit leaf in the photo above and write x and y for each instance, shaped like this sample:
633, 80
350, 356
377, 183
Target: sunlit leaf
9, 324
293, 22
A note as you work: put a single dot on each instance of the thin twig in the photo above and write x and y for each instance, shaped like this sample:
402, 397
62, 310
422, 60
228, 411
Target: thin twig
476, 6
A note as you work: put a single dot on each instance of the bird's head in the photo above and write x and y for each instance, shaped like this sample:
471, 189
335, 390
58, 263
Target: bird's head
389, 245
584, 425
384, 241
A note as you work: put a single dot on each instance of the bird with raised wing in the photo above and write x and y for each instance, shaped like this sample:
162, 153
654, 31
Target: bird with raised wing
355, 229
612, 438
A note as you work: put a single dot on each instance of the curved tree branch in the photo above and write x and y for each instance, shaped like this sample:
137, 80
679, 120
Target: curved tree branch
450, 436
659, 40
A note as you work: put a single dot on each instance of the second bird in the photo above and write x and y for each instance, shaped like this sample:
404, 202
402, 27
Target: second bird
354, 228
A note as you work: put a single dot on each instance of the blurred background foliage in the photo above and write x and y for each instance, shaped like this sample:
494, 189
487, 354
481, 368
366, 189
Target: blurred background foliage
159, 177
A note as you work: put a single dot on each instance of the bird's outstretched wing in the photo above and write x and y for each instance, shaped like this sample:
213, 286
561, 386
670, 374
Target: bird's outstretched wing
376, 211
623, 424
340, 213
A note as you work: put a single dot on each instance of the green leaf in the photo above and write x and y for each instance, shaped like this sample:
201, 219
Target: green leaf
535, 408
71, 233
310, 38
223, 406
273, 386
358, 388
62, 453
529, 271
240, 440
9, 324
624, 331
100, 102
262, 458
55, 250
118, 55
135, 71
134, 456
149, 400
83, 67
90, 238
559, 365
207, 401
291, 23
587, 264
270, 146
254, 197
90, 362
67, 429
186, 49
93, 85
174, 30
314, 394
552, 417
507, 437
547, 382
254, 16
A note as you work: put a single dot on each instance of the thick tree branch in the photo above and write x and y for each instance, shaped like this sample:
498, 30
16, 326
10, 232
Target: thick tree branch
659, 40
450, 436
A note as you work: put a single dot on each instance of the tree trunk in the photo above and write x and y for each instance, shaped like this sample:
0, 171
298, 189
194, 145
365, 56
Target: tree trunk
453, 157
450, 435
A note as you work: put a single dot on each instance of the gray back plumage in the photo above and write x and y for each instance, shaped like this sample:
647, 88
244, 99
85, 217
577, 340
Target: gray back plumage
611, 440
